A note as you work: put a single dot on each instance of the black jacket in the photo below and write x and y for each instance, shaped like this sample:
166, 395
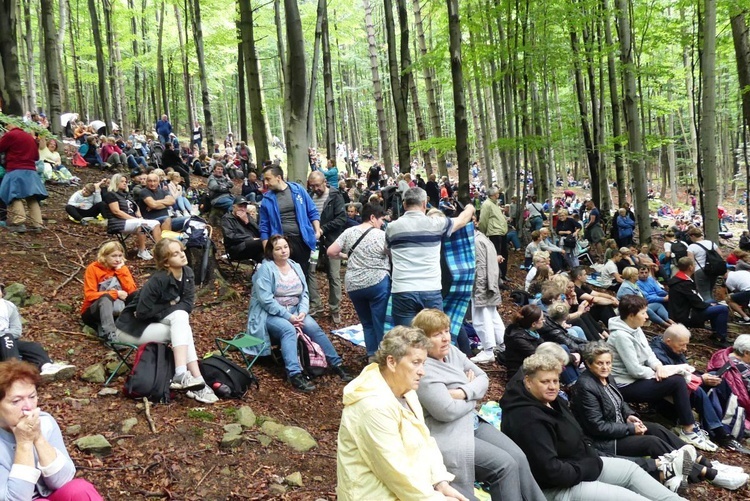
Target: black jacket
153, 301
236, 233
685, 304
550, 437
332, 218
665, 354
552, 331
433, 192
519, 344
597, 413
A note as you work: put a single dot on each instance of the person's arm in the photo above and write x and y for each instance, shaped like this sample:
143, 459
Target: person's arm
626, 353
264, 285
476, 388
484, 218
76, 199
591, 416
156, 204
437, 401
91, 290
15, 327
56, 466
114, 208
480, 281
462, 219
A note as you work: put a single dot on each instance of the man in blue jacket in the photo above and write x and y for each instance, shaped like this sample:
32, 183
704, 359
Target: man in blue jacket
163, 129
288, 210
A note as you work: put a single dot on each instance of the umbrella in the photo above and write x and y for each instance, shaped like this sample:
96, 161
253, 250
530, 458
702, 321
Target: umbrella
65, 118
97, 124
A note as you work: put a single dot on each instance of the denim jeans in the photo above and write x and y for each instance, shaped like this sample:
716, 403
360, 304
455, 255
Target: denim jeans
512, 237
657, 313
223, 202
134, 162
406, 305
700, 402
282, 331
718, 315
536, 223
370, 304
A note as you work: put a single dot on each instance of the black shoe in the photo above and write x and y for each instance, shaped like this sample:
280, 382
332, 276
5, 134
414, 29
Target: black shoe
720, 342
340, 371
731, 444
301, 383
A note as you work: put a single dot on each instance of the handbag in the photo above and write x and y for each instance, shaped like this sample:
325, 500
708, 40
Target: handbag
569, 241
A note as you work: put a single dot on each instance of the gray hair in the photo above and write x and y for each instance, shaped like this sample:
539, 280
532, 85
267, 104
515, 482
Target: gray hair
742, 344
540, 255
414, 197
493, 191
399, 341
554, 350
540, 362
558, 310
594, 350
675, 331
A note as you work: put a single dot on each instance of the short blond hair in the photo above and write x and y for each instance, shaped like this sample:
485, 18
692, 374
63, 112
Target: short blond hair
108, 248
630, 273
431, 320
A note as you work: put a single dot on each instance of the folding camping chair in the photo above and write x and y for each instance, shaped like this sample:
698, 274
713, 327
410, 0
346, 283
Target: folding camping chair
239, 342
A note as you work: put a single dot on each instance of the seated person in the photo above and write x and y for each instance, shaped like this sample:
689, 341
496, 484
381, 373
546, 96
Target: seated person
251, 188
602, 305
686, 306
112, 154
670, 348
88, 150
54, 170
541, 258
86, 202
657, 313
610, 245
352, 215
385, 450
182, 204
557, 254
155, 205
733, 365
13, 348
641, 377
107, 283
220, 189
134, 156
648, 256
738, 285
160, 313
557, 329
531, 249
610, 277
171, 159
279, 305
579, 313
241, 233
616, 430
652, 290
35, 462
563, 463
628, 257
450, 392
543, 275
123, 215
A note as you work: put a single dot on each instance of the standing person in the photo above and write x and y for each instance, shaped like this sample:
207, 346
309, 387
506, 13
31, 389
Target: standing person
593, 231
330, 205
288, 210
493, 224
625, 228
698, 250
433, 190
384, 449
368, 278
160, 313
373, 177
485, 299
415, 241
331, 173
21, 181
163, 129
197, 135
536, 213
567, 229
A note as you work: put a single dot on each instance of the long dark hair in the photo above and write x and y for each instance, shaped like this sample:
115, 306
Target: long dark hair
527, 316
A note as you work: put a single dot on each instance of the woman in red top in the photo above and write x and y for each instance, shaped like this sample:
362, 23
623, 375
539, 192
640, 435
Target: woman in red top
21, 182
105, 282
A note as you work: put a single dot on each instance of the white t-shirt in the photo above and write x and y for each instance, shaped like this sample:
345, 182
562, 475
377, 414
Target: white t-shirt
608, 273
738, 281
699, 251
529, 277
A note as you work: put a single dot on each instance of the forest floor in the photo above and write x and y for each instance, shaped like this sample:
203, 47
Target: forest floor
183, 459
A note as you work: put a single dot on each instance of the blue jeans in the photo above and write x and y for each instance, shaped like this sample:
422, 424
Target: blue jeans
283, 332
370, 304
406, 305
163, 139
223, 202
536, 223
657, 313
701, 403
512, 237
718, 315
183, 204
134, 161
576, 331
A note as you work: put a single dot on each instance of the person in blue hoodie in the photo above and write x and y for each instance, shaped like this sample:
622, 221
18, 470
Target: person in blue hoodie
625, 227
163, 129
288, 210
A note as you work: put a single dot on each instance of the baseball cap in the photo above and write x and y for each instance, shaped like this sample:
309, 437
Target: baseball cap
240, 200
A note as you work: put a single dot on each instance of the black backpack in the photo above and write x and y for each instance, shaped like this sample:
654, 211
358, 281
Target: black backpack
151, 374
217, 369
679, 250
715, 265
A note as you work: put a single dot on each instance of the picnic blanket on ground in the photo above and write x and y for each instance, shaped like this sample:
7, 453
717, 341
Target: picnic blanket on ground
354, 334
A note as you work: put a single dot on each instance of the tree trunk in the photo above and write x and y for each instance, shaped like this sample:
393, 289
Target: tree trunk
742, 53
620, 174
30, 59
61, 59
100, 68
114, 83
160, 76
136, 67
459, 102
241, 88
400, 79
707, 136
282, 66
255, 98
421, 132
54, 106
11, 96
311, 139
296, 95
428, 73
632, 118
76, 79
198, 35
687, 66
484, 143
185, 71
377, 89
330, 110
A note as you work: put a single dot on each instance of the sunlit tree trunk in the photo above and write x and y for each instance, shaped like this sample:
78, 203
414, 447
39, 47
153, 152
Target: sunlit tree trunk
330, 109
185, 71
30, 59
53, 71
459, 102
377, 89
161, 78
296, 94
205, 98
311, 136
282, 65
620, 174
114, 82
255, 97
100, 68
707, 137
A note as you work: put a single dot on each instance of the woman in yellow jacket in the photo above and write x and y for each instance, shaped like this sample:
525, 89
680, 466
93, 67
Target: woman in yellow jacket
385, 450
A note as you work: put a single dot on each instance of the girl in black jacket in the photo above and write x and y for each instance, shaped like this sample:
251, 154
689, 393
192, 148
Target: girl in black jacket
159, 313
564, 465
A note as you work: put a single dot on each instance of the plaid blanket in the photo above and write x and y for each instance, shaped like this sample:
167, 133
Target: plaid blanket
459, 257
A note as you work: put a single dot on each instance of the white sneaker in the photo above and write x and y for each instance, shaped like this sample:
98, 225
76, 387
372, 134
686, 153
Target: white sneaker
726, 468
698, 439
59, 372
676, 466
730, 481
145, 255
484, 357
186, 381
205, 395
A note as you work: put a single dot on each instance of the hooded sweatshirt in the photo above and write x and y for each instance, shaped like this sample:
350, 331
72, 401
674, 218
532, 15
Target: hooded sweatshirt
633, 358
385, 451
550, 437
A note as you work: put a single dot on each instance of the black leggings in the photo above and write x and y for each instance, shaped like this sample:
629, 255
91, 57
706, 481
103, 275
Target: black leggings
653, 391
78, 214
591, 329
656, 442
23, 350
